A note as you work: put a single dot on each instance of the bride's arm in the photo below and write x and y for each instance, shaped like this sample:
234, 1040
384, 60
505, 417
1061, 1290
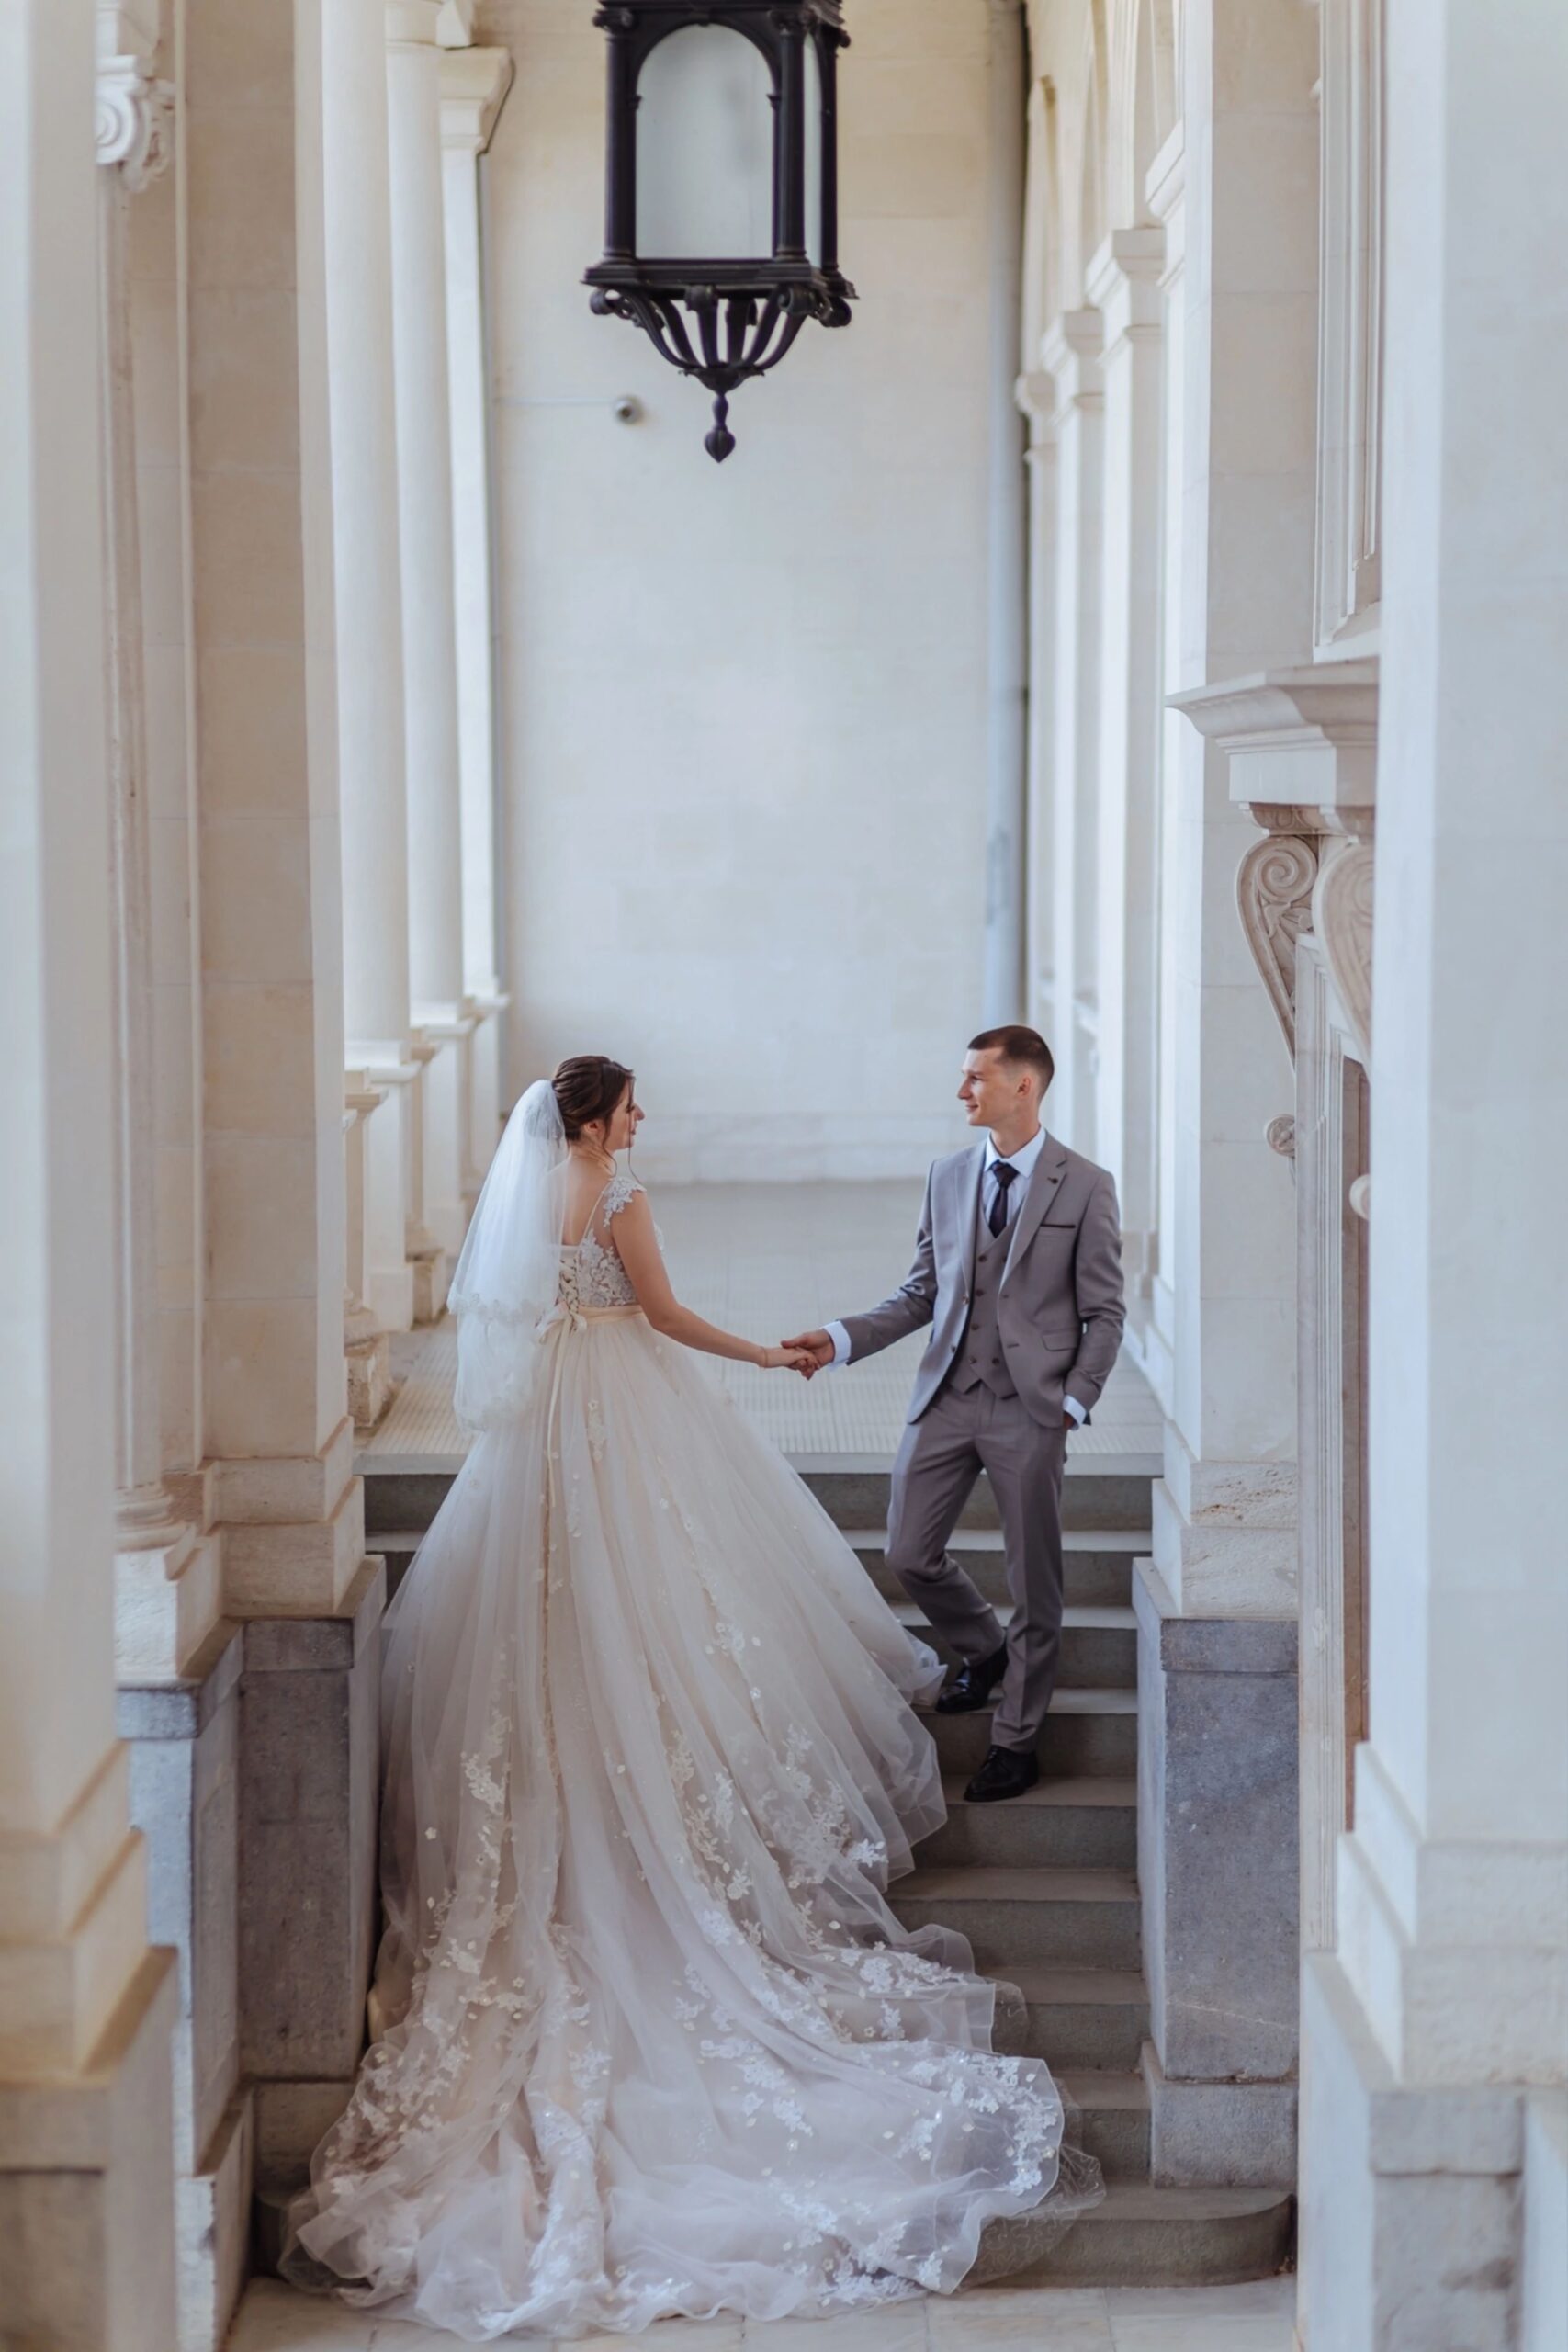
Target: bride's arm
644, 1261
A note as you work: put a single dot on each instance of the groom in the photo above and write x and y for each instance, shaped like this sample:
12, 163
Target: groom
1018, 1268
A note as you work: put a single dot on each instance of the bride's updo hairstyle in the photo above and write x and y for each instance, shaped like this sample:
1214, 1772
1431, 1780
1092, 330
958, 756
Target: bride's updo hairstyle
588, 1087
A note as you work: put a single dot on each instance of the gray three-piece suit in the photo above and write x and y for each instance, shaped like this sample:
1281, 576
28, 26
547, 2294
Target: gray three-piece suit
1019, 1319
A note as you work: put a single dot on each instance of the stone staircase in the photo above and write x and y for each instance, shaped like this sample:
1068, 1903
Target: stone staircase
1044, 1886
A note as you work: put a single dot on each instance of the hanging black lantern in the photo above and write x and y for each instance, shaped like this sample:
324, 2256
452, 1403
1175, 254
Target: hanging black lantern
721, 139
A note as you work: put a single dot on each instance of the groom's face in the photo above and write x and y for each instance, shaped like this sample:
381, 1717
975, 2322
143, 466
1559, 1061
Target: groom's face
993, 1090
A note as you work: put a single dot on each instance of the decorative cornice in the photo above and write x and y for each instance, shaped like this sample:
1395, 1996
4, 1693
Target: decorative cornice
133, 110
474, 82
1307, 736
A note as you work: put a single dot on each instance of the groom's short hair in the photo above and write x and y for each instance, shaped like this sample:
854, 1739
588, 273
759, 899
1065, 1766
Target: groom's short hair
1016, 1044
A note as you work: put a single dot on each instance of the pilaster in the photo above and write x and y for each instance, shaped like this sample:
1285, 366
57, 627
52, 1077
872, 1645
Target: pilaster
423, 386
1069, 352
1036, 397
1123, 282
87, 2236
474, 84
264, 617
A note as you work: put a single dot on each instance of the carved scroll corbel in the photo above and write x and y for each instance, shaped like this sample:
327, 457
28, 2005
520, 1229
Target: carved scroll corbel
1274, 898
1342, 917
133, 120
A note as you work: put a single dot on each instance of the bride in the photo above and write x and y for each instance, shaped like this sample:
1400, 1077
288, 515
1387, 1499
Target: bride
647, 2038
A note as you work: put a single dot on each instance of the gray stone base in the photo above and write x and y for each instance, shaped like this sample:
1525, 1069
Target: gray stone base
1543, 2300
86, 2189
184, 1741
212, 2230
1218, 1860
292, 2119
1410, 2200
309, 1704
368, 1363
1219, 2136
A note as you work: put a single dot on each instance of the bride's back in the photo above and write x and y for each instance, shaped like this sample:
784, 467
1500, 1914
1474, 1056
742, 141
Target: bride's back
588, 1184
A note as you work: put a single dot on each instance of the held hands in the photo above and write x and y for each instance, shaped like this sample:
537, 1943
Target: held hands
815, 1346
791, 1357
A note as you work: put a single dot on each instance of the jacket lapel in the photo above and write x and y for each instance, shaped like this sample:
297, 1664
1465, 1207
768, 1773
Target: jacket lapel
968, 1189
1049, 1170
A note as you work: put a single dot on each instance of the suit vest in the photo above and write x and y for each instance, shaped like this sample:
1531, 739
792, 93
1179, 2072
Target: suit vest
981, 1361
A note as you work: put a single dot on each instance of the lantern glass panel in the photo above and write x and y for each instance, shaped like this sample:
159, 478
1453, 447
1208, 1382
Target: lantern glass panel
704, 148
813, 150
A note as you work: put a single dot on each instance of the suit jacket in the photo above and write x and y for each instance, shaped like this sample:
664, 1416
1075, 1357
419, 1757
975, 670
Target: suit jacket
1060, 1308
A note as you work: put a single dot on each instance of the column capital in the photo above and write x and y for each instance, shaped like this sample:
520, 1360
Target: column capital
133, 110
1069, 352
413, 24
1036, 395
474, 84
1123, 282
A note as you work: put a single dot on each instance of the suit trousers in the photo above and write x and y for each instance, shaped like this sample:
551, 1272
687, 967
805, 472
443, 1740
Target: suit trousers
939, 1460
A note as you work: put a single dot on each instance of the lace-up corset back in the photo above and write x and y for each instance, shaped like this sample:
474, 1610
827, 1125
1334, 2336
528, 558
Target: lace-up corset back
592, 1274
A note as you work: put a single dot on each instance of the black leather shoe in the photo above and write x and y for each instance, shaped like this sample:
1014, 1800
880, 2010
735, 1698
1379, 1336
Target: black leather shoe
1006, 1772
971, 1689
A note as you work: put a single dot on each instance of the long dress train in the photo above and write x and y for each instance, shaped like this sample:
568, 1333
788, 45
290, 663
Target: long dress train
649, 2040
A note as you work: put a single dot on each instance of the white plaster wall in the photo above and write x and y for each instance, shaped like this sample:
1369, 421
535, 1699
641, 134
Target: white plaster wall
743, 718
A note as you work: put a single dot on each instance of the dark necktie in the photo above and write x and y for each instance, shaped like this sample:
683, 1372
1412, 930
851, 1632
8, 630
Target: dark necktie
1004, 1171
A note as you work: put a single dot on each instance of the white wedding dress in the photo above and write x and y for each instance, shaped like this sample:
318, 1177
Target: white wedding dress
649, 2040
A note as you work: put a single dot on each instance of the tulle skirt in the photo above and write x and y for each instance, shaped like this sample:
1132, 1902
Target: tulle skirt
648, 2038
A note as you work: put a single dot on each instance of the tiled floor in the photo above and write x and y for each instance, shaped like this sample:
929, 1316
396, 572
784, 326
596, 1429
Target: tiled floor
767, 1259
996, 2319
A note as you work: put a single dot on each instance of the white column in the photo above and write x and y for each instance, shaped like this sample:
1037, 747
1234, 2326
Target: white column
1454, 1885
366, 554
166, 1578
271, 872
85, 2010
430, 658
1166, 193
1224, 1512
1124, 283
1007, 753
1070, 351
1036, 397
474, 82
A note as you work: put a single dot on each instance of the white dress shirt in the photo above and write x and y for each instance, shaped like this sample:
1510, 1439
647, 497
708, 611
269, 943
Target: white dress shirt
1023, 1160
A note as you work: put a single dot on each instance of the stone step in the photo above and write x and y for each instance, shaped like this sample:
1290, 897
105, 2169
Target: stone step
1076, 1919
1095, 1499
402, 1499
1057, 1824
1140, 2236
1073, 2018
1137, 2236
1100, 1646
1099, 1568
1108, 2117
1096, 1493
1088, 1734
1097, 1562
